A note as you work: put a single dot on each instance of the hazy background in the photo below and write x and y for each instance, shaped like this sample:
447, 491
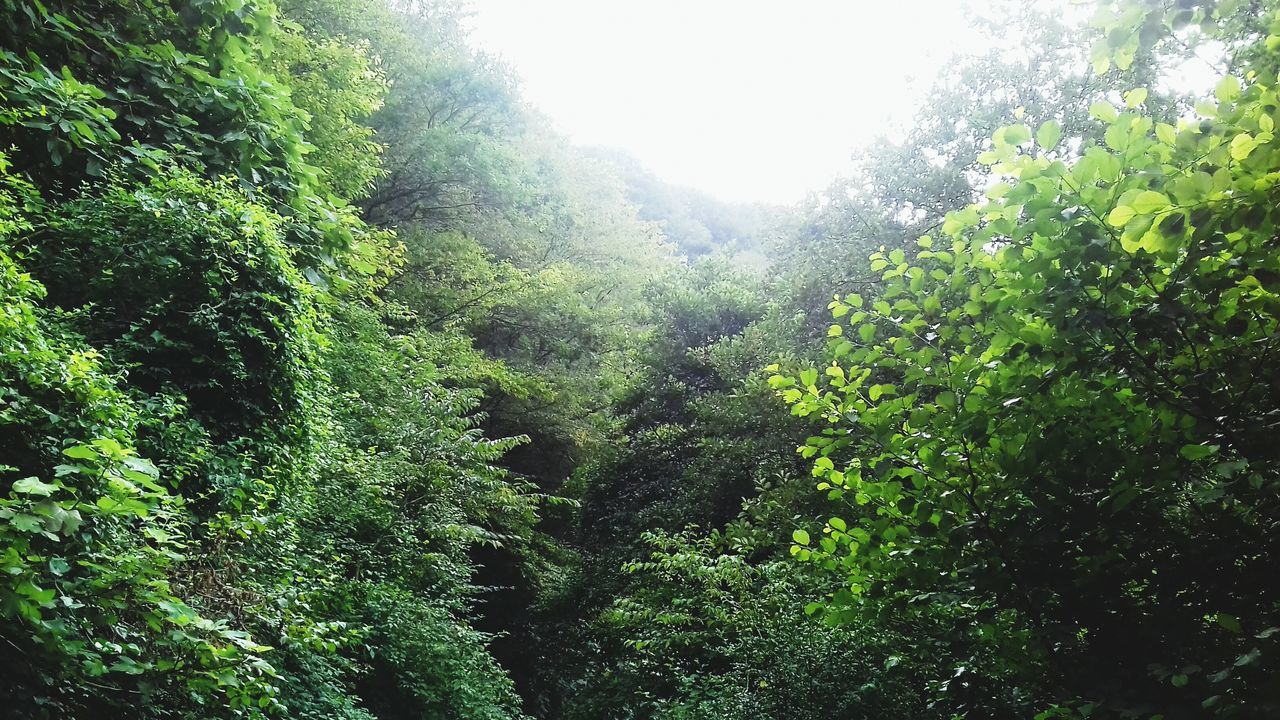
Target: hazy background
750, 100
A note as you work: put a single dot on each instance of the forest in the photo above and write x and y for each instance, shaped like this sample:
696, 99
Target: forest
336, 383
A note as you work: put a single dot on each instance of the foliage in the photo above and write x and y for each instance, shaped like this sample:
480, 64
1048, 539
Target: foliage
708, 633
191, 287
1054, 417
104, 84
334, 384
206, 295
91, 534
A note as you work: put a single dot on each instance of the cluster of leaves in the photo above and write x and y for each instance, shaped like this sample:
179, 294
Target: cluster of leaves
92, 533
1053, 418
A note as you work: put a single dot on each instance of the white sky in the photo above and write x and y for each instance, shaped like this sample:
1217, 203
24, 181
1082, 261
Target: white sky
746, 99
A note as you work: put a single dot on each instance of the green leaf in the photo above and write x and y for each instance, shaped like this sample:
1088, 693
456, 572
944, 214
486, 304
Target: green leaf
1242, 146
878, 391
1198, 452
1227, 89
38, 595
81, 452
1049, 134
1101, 61
1207, 109
1230, 623
1121, 215
1017, 134
1149, 201
800, 537
27, 523
1117, 137
1135, 97
34, 486
999, 190
1104, 111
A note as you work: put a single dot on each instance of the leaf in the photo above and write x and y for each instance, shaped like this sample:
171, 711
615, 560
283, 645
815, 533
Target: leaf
1104, 111
1017, 134
1120, 216
1122, 499
142, 465
1117, 137
973, 403
1248, 658
1049, 134
1166, 133
999, 190
1230, 622
1206, 109
1135, 97
1242, 146
38, 595
1227, 89
1198, 452
81, 452
800, 536
1149, 201
71, 521
1101, 63
27, 523
34, 486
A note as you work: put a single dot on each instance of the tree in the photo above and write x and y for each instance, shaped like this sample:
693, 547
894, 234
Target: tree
1054, 416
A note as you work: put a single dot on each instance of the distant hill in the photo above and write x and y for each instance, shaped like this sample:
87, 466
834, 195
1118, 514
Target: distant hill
696, 222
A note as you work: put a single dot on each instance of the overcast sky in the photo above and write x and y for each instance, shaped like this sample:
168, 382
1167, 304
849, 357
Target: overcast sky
745, 99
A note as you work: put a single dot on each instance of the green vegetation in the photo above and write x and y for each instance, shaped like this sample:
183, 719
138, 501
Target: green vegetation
335, 384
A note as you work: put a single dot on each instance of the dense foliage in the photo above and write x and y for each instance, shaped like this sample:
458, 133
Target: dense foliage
335, 384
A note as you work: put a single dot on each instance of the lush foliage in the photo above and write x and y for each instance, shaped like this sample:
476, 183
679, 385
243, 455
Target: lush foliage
1052, 417
187, 281
334, 384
